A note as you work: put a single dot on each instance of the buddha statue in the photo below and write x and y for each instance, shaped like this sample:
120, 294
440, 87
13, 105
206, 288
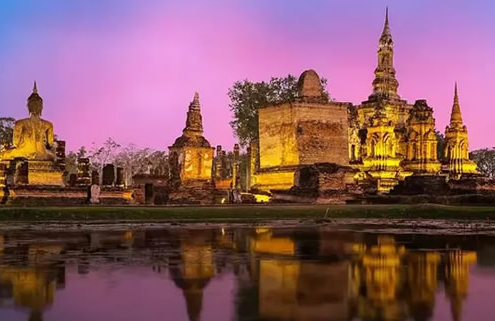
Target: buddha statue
32, 158
33, 137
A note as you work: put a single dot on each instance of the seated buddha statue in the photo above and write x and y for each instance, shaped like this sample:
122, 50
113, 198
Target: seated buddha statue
33, 137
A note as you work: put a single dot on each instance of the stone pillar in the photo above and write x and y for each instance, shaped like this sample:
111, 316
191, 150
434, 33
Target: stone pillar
60, 153
83, 177
120, 177
108, 175
235, 168
3, 175
72, 180
218, 163
248, 170
225, 167
95, 178
253, 163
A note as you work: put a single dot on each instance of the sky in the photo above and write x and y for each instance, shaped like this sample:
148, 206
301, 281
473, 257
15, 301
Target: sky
128, 69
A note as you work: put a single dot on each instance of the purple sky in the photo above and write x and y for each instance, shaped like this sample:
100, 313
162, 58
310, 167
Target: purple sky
128, 69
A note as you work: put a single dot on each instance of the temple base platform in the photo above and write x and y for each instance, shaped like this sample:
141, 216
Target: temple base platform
200, 192
51, 195
322, 183
32, 172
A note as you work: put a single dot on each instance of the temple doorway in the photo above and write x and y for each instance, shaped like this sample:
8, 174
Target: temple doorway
148, 193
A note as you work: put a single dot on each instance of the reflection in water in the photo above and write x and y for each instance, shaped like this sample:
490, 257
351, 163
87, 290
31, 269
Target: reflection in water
280, 274
30, 282
195, 270
457, 279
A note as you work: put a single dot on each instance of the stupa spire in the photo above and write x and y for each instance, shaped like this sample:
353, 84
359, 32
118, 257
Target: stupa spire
195, 103
35, 88
194, 122
385, 85
386, 34
456, 116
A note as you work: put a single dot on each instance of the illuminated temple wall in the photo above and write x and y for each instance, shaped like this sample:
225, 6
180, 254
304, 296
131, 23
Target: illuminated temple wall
299, 133
194, 163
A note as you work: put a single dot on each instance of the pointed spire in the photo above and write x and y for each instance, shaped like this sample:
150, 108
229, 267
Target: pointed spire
456, 94
386, 34
194, 122
35, 88
386, 18
455, 116
195, 103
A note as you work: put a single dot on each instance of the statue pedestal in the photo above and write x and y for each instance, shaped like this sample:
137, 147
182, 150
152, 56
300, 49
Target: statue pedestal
44, 173
21, 171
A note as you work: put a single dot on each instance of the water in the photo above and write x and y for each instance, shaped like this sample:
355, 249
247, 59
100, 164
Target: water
243, 273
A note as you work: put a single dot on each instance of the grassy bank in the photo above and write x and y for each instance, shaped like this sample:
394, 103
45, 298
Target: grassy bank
245, 213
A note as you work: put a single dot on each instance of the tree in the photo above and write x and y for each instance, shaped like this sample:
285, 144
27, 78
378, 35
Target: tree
247, 97
141, 161
72, 158
6, 131
485, 158
101, 155
159, 162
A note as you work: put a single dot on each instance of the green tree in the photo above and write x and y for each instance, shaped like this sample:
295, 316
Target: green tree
247, 97
6, 131
485, 159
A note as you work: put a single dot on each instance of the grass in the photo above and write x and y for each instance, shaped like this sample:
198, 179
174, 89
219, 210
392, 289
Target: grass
244, 213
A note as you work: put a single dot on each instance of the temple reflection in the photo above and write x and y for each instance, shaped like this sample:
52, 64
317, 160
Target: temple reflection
457, 265
194, 269
280, 274
422, 273
367, 280
30, 281
380, 281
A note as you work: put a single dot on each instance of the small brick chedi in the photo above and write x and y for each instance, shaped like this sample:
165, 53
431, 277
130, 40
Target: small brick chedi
311, 129
31, 159
191, 161
456, 152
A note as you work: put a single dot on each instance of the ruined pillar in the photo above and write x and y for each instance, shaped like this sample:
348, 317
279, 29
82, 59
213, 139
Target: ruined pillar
83, 177
218, 163
60, 153
235, 168
95, 178
253, 163
120, 177
108, 175
72, 180
248, 170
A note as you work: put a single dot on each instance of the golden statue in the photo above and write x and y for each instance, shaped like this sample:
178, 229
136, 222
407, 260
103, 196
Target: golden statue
32, 154
33, 136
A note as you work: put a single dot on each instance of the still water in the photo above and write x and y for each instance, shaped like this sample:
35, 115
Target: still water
244, 273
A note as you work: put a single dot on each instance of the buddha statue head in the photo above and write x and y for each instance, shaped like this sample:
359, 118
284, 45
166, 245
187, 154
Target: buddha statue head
35, 103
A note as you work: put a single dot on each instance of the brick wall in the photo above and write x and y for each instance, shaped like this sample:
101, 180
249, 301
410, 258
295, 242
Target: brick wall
303, 133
